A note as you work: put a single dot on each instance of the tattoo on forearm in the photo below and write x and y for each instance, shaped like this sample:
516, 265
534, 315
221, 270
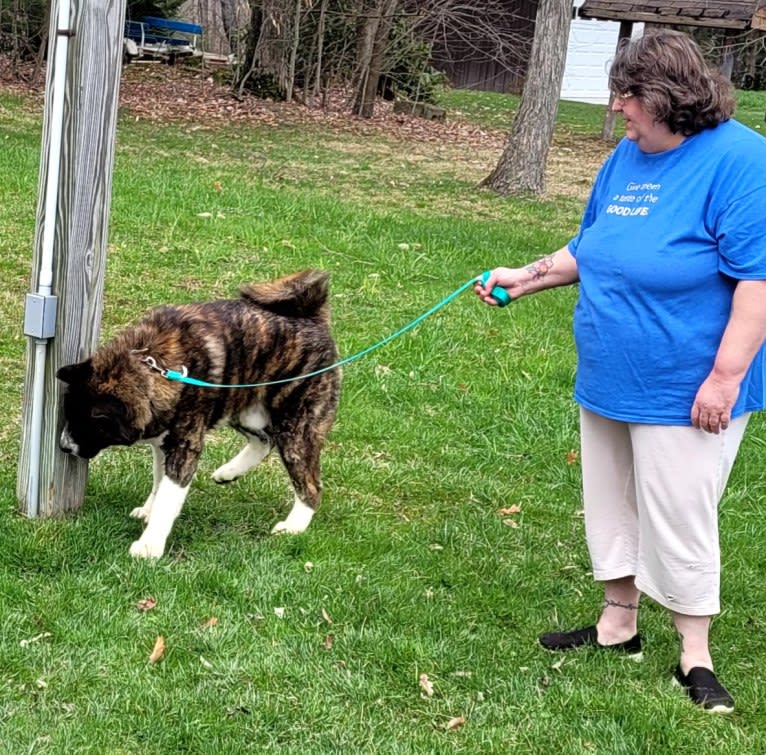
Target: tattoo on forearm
538, 270
617, 604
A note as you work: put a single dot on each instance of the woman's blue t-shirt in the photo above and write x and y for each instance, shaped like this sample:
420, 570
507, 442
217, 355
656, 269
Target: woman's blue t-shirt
664, 239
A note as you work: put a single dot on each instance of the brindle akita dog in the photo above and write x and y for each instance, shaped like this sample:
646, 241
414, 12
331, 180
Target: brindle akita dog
275, 330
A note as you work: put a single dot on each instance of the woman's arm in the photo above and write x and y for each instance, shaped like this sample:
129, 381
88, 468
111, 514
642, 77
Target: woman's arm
557, 269
743, 336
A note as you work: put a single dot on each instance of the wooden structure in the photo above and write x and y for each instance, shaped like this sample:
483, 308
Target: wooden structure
735, 16
491, 54
718, 14
79, 165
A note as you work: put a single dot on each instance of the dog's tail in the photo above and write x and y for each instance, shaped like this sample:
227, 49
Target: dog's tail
302, 294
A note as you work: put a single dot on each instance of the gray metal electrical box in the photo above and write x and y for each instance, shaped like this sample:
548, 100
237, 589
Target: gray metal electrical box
40, 316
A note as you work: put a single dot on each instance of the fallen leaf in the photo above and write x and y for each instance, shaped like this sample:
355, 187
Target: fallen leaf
308, 566
159, 649
512, 509
329, 641
572, 457
218, 186
279, 613
211, 622
146, 604
455, 723
426, 686
436, 547
205, 663
512, 523
326, 616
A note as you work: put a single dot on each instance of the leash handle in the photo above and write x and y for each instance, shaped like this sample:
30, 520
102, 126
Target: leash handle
498, 293
182, 376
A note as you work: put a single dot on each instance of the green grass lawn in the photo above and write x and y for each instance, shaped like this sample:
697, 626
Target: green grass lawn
451, 532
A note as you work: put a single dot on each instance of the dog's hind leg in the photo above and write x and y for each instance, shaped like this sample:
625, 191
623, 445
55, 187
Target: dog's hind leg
297, 520
257, 449
300, 440
300, 450
158, 470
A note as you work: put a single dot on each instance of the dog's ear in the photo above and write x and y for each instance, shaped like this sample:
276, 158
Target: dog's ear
75, 373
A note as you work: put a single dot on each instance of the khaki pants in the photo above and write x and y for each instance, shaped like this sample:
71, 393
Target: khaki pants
651, 496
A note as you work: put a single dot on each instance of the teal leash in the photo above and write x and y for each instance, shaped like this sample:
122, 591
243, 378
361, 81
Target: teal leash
182, 376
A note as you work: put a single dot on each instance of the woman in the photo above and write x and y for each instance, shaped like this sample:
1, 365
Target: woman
669, 328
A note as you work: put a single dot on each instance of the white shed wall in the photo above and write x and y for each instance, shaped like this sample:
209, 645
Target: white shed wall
591, 47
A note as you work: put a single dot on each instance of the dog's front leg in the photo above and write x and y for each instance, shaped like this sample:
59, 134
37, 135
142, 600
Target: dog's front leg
179, 467
158, 470
165, 508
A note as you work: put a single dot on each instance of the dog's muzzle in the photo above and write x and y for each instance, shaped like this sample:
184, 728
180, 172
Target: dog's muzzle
67, 445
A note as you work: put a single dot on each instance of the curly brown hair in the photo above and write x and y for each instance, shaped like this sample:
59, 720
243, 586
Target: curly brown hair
667, 72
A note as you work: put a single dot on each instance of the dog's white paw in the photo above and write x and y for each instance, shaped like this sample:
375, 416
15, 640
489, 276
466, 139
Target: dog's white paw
286, 528
297, 520
226, 473
141, 512
146, 549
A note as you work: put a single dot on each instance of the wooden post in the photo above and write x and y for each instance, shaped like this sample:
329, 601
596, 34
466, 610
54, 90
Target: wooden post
91, 89
728, 52
607, 132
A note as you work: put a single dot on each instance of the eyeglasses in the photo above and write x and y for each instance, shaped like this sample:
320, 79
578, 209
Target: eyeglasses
622, 97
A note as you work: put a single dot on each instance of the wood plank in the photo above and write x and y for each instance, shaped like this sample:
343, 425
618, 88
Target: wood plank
81, 224
726, 14
653, 18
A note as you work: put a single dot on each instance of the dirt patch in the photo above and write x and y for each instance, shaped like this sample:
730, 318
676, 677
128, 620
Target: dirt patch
573, 162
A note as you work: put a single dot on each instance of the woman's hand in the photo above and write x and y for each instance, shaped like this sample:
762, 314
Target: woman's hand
713, 403
506, 278
743, 336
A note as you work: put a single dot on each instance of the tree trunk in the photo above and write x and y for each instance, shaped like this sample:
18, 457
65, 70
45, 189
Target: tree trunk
270, 42
372, 40
320, 47
290, 83
229, 25
521, 168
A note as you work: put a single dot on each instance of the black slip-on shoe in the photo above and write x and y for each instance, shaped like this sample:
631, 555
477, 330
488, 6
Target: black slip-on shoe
704, 689
588, 637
